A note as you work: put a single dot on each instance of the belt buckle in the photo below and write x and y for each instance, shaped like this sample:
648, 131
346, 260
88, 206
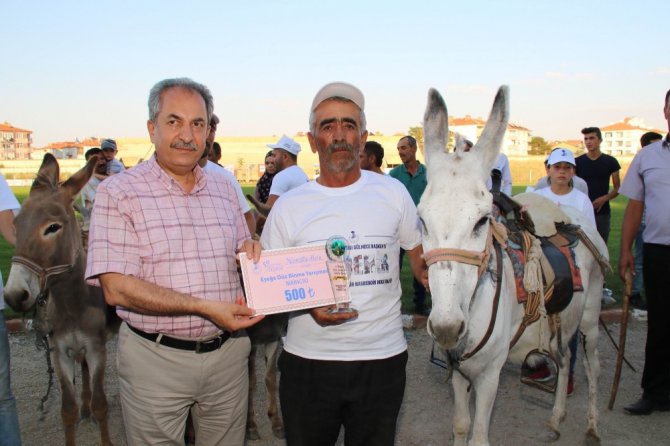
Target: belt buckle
207, 346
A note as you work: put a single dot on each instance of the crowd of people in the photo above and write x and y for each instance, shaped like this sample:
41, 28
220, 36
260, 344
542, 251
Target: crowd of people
163, 239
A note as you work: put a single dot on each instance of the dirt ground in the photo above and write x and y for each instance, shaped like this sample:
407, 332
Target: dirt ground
519, 416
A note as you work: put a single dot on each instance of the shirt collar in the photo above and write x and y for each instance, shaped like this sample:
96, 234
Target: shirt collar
419, 170
171, 183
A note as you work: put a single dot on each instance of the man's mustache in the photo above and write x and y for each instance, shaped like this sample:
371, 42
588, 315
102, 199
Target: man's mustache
339, 146
183, 145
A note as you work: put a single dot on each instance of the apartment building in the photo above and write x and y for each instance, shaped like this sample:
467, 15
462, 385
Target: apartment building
515, 142
623, 138
15, 143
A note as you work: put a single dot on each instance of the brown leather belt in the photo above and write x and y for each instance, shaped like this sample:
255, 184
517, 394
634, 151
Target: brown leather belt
182, 344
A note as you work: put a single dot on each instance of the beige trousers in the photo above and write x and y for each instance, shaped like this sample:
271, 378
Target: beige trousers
158, 386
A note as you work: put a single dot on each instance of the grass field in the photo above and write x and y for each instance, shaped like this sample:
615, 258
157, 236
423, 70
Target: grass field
613, 281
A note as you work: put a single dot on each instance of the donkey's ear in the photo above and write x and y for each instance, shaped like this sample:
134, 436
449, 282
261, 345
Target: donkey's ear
74, 184
47, 176
435, 126
488, 145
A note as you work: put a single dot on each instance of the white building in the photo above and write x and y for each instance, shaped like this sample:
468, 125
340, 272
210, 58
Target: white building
515, 142
623, 138
15, 143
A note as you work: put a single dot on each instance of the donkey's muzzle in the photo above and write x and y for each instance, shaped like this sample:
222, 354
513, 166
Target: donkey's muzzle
446, 335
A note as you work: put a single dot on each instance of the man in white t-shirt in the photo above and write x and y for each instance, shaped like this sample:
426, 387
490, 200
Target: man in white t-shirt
372, 157
346, 369
216, 169
9, 421
501, 165
84, 202
289, 175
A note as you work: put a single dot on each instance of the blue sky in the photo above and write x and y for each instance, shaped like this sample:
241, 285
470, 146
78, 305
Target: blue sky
75, 69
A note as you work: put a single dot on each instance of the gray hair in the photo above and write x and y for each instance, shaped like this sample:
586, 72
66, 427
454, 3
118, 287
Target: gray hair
361, 118
179, 82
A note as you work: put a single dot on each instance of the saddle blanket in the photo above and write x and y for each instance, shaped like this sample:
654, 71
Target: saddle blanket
562, 275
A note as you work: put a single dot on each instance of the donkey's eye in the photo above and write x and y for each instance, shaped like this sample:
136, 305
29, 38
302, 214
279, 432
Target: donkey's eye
53, 227
482, 221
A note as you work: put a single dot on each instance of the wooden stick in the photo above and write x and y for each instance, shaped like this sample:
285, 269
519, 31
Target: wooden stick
622, 337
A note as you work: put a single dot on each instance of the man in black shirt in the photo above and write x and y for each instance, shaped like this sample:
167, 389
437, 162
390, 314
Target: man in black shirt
596, 168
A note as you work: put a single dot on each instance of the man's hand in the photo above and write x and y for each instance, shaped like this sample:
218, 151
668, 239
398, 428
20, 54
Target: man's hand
233, 317
626, 262
252, 248
632, 217
424, 280
600, 202
324, 316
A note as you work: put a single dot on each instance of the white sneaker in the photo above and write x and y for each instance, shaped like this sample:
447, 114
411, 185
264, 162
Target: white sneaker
639, 315
607, 298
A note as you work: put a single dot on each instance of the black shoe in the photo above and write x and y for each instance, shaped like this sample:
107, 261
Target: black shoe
638, 302
645, 406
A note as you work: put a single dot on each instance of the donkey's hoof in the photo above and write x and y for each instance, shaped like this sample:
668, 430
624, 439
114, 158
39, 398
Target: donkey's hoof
252, 434
550, 435
87, 421
278, 432
592, 438
84, 414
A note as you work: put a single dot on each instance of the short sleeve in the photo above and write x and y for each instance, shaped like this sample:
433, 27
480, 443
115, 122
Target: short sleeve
409, 231
275, 234
614, 165
113, 243
7, 198
633, 184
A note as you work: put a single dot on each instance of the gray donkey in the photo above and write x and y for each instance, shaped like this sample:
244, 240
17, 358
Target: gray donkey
48, 273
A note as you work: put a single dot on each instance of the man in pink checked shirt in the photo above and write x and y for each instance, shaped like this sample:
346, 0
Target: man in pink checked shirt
162, 245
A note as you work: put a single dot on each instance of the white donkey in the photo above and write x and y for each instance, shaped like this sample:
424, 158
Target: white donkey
466, 267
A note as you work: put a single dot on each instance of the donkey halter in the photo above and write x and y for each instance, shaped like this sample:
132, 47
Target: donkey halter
480, 259
475, 258
43, 274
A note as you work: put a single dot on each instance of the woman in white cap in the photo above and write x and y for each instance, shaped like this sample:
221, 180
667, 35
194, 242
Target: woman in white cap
560, 171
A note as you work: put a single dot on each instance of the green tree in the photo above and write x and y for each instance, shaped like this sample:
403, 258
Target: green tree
538, 146
417, 133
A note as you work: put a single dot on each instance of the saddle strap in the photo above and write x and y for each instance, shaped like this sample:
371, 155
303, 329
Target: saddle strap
602, 261
531, 315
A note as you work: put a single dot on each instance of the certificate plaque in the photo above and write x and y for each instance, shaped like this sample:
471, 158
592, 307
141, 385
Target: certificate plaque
289, 279
336, 246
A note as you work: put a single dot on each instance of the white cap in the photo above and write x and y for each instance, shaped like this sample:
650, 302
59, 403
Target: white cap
339, 90
560, 155
286, 143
